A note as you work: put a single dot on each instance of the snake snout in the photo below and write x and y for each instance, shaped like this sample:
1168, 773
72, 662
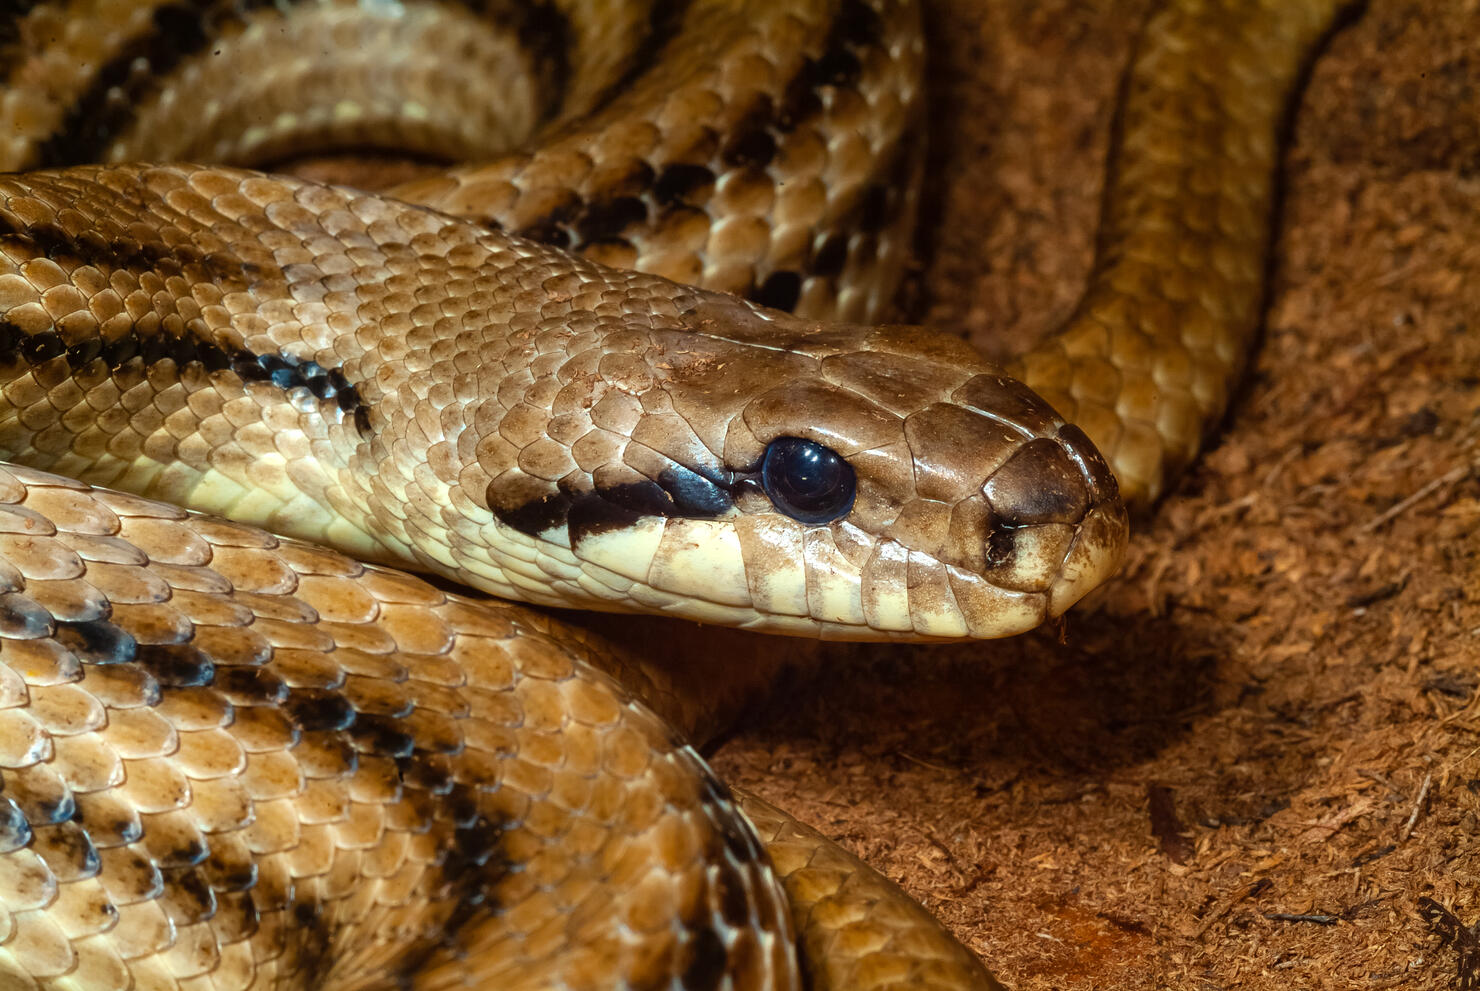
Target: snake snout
1057, 524
1051, 481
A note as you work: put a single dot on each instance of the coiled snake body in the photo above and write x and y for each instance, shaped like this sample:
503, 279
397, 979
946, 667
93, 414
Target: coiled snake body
235, 760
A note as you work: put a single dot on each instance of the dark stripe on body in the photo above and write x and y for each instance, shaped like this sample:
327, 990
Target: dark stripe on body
327, 385
287, 372
188, 28
705, 957
856, 234
649, 197
665, 20
545, 36
433, 788
127, 254
107, 107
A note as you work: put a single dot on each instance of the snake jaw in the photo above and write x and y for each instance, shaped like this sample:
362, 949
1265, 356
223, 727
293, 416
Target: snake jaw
1057, 522
1051, 527
1099, 545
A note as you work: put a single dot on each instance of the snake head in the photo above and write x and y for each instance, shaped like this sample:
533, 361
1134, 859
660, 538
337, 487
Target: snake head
751, 469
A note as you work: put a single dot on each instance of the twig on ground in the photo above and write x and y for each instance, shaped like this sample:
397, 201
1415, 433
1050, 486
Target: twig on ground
1423, 793
1427, 489
1248, 891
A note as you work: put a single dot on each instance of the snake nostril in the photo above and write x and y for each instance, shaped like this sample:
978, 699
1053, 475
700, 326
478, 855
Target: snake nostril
1040, 484
1001, 545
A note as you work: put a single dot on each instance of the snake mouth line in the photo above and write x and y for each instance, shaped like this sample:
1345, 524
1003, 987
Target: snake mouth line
1050, 528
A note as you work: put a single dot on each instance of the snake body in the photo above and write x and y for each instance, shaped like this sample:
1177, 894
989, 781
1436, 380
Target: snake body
237, 760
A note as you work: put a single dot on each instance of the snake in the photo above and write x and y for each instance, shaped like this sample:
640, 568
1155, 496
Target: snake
613, 345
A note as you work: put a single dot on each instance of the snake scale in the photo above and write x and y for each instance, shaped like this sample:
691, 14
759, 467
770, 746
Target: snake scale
626, 359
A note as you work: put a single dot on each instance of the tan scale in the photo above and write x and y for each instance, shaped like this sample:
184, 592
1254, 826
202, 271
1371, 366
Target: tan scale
283, 758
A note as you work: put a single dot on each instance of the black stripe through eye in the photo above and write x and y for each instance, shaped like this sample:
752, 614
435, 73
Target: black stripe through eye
678, 492
693, 494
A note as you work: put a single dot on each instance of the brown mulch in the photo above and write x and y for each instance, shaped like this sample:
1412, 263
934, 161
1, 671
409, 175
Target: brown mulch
1254, 760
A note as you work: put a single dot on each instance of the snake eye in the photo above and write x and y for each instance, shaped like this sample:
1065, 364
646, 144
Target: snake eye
806, 481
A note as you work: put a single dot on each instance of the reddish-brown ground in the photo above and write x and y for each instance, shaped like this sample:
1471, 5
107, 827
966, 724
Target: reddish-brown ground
1249, 761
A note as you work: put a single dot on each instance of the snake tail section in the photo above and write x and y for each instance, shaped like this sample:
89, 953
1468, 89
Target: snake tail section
1147, 362
858, 930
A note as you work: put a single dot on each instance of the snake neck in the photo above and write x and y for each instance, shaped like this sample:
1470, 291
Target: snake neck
330, 365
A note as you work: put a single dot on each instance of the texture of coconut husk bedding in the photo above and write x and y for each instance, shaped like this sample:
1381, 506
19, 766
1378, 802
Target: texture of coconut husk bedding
1254, 760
